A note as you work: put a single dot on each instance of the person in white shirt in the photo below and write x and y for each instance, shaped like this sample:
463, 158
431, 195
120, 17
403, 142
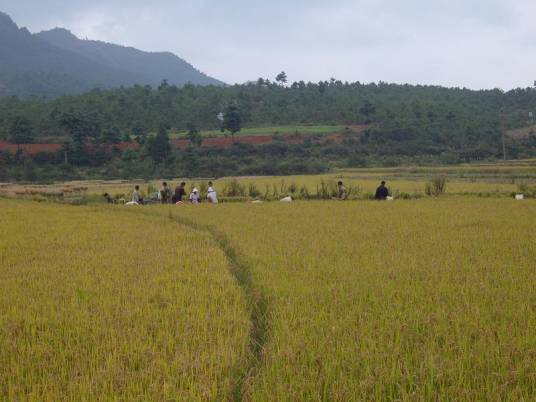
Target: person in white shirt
212, 196
194, 196
136, 195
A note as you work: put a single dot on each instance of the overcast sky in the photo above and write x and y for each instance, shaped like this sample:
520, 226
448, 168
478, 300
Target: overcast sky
471, 43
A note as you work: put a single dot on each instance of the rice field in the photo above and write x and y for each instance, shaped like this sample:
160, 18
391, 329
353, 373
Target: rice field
102, 305
429, 299
416, 300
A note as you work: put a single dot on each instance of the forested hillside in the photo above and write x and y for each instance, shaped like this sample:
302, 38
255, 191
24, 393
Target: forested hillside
406, 125
55, 63
442, 116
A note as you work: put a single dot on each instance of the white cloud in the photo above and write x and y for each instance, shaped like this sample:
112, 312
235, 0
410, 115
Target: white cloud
473, 43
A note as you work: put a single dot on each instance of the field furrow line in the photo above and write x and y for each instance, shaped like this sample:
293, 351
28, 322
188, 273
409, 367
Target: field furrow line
241, 270
258, 307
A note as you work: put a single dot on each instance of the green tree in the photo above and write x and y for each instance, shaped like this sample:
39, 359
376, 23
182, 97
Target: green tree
232, 120
29, 170
158, 147
194, 135
110, 136
21, 131
80, 127
139, 134
163, 86
367, 109
281, 78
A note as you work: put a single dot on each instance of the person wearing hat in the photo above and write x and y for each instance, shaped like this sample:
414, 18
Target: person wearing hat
194, 196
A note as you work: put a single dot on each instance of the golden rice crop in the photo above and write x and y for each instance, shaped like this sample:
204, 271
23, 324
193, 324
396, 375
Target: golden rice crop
417, 300
433, 299
104, 305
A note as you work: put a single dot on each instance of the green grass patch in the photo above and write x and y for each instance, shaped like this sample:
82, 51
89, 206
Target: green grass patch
272, 130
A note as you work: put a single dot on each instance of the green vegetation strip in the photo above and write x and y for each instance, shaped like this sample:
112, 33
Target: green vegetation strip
272, 130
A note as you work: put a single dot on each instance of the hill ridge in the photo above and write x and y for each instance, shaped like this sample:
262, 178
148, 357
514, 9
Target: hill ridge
56, 62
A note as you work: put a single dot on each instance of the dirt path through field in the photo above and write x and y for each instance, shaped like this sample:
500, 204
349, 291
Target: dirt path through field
259, 317
258, 306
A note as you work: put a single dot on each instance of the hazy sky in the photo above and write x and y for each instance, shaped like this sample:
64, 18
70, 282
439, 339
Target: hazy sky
472, 43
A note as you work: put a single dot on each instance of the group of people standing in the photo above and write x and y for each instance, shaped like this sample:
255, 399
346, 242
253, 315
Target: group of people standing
178, 196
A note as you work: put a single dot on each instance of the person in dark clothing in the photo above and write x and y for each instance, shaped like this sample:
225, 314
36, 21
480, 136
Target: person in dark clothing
165, 194
382, 192
179, 193
109, 198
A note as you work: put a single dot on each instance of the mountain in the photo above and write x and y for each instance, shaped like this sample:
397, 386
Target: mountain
154, 67
56, 62
31, 66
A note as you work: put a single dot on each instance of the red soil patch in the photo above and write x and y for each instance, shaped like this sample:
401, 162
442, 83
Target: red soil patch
29, 149
294, 139
354, 131
225, 142
123, 146
181, 144
258, 140
358, 128
212, 142
120, 146
335, 138
291, 139
33, 149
